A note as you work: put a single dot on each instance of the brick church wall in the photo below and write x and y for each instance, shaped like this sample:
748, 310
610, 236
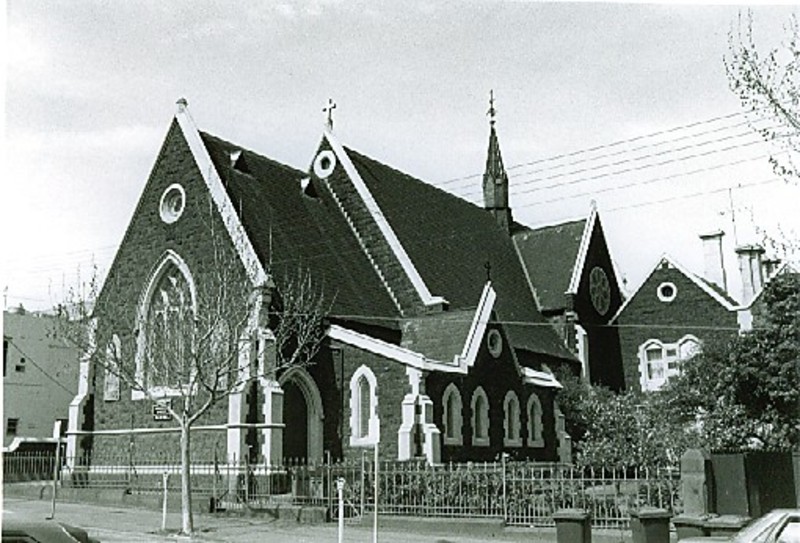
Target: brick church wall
143, 246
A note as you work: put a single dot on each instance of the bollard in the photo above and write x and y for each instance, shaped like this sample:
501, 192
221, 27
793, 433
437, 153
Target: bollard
340, 491
725, 525
573, 526
650, 525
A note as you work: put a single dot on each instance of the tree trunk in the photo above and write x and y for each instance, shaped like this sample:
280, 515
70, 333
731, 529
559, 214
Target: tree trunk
187, 521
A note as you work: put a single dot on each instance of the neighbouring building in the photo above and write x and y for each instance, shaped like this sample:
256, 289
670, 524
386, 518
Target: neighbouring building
445, 331
674, 311
40, 378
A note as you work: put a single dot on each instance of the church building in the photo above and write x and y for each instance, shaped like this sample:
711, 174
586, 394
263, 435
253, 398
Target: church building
446, 326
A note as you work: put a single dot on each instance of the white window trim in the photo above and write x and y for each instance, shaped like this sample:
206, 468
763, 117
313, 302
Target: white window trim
480, 441
457, 438
170, 257
648, 384
355, 408
508, 439
664, 297
535, 426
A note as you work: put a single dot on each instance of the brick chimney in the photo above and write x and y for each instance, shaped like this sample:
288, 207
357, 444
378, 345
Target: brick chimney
770, 266
750, 268
713, 263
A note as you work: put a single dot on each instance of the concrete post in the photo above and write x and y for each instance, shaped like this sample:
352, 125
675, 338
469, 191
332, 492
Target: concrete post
573, 526
650, 525
697, 489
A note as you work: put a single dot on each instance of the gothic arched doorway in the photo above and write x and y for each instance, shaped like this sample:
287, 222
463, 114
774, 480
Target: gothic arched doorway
302, 416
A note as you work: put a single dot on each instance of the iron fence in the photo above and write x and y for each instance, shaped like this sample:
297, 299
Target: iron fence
522, 493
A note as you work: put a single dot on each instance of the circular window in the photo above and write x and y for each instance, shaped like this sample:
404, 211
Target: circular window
599, 290
172, 203
666, 292
324, 164
494, 341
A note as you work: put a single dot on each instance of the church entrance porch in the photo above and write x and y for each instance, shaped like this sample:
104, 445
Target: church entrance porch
302, 416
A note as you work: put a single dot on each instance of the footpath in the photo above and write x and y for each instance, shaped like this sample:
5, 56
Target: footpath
116, 523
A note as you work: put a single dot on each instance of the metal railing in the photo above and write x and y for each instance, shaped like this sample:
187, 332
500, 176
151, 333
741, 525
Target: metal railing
522, 493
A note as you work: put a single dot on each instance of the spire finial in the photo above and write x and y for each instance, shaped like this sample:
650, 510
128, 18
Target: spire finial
328, 110
492, 111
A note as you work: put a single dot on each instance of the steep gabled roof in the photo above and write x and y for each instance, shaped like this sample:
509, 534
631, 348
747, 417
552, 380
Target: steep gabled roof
550, 256
725, 301
450, 241
292, 231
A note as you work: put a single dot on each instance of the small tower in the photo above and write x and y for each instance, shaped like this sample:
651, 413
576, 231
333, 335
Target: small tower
495, 179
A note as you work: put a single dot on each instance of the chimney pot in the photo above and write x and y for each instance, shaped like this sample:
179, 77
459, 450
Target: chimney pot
751, 270
713, 261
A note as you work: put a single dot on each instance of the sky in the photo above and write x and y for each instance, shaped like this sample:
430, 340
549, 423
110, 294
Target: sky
627, 105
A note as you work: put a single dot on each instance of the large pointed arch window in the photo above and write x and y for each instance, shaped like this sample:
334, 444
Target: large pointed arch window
166, 331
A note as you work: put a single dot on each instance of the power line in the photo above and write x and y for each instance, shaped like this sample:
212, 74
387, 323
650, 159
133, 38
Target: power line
604, 146
37, 366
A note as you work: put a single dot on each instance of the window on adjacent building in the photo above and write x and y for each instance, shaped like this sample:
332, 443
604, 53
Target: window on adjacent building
12, 426
659, 361
451, 417
364, 423
511, 420
535, 427
480, 418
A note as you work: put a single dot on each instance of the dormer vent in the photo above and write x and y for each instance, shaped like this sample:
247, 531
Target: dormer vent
307, 188
238, 161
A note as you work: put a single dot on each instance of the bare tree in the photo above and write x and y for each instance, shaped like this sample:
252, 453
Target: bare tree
768, 87
193, 342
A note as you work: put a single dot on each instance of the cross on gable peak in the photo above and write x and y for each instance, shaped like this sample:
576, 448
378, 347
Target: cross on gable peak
328, 111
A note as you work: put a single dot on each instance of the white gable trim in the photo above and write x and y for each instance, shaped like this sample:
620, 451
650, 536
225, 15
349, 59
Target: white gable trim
461, 362
478, 328
583, 250
383, 224
252, 265
685, 271
515, 243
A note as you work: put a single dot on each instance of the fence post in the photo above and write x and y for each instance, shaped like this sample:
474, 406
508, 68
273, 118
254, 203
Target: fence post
505, 495
56, 468
377, 486
165, 477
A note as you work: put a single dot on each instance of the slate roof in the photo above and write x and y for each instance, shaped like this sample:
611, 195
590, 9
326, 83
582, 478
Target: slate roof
441, 336
305, 232
449, 240
549, 254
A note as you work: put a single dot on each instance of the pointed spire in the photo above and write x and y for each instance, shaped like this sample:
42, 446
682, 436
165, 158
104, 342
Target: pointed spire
495, 179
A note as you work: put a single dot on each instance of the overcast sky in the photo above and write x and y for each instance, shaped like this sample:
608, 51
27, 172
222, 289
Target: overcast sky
91, 90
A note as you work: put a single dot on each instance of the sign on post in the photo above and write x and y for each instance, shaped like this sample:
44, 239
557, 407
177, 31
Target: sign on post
161, 409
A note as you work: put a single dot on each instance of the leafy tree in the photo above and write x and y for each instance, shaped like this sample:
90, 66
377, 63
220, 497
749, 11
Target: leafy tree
768, 86
620, 430
745, 392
